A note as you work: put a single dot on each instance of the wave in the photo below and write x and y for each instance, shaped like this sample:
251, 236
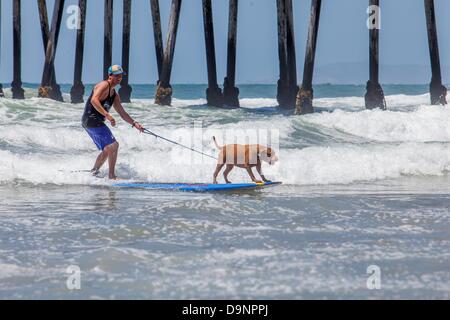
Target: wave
309, 166
348, 164
423, 124
41, 141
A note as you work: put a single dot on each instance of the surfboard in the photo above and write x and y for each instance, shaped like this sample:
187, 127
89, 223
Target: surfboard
196, 187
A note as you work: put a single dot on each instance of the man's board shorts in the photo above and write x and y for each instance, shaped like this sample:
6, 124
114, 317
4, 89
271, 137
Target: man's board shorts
101, 136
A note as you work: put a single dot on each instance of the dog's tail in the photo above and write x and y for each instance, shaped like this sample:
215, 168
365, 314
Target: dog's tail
217, 145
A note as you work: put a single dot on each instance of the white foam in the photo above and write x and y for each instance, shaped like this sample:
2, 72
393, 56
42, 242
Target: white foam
11, 270
426, 123
350, 103
352, 163
403, 100
187, 103
258, 102
314, 165
61, 139
394, 102
45, 169
40, 137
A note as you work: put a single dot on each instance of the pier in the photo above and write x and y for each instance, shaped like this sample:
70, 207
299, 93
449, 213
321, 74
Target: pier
291, 95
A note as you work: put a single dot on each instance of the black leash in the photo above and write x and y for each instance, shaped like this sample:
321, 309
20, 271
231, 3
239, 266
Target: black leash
176, 143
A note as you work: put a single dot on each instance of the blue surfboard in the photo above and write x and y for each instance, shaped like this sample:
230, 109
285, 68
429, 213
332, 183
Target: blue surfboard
196, 187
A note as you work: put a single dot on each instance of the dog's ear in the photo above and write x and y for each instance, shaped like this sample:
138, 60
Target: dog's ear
262, 150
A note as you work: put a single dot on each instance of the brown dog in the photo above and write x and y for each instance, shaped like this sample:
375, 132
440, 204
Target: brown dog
243, 156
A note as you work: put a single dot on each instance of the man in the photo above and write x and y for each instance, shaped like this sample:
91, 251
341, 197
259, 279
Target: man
102, 98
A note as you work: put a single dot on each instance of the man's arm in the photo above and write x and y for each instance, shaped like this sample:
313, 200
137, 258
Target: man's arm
99, 92
124, 115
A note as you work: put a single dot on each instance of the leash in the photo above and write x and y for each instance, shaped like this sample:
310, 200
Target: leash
176, 143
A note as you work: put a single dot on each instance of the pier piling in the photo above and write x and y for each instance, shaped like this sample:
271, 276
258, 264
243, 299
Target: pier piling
291, 56
164, 90
53, 87
304, 104
230, 92
374, 97
77, 91
157, 35
47, 88
107, 41
125, 88
214, 96
438, 92
16, 85
283, 81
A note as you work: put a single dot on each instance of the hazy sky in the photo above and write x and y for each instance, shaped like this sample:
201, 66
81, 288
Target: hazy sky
343, 38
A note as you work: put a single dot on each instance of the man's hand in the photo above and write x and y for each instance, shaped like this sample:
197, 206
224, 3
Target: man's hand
111, 119
138, 126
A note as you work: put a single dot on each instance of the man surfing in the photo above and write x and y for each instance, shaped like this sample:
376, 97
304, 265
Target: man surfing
102, 98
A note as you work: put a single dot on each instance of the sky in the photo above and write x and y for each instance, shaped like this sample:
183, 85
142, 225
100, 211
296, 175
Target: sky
342, 43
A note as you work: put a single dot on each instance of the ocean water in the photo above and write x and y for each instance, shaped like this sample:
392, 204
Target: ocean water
363, 191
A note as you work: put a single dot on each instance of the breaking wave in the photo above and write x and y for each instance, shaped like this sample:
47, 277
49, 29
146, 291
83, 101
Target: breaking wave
41, 141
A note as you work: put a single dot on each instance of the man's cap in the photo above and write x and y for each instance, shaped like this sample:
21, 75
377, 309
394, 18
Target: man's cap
115, 70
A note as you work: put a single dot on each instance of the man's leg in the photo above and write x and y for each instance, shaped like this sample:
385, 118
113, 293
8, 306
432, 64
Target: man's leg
113, 150
101, 159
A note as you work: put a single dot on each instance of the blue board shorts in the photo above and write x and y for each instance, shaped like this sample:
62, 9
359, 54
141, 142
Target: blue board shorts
101, 136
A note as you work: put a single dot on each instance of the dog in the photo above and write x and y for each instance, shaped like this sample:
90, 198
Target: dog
243, 156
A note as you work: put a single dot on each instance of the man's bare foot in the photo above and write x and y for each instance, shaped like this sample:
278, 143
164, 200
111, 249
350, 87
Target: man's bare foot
114, 178
95, 172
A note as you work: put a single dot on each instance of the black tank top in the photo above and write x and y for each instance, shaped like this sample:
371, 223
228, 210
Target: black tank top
91, 117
